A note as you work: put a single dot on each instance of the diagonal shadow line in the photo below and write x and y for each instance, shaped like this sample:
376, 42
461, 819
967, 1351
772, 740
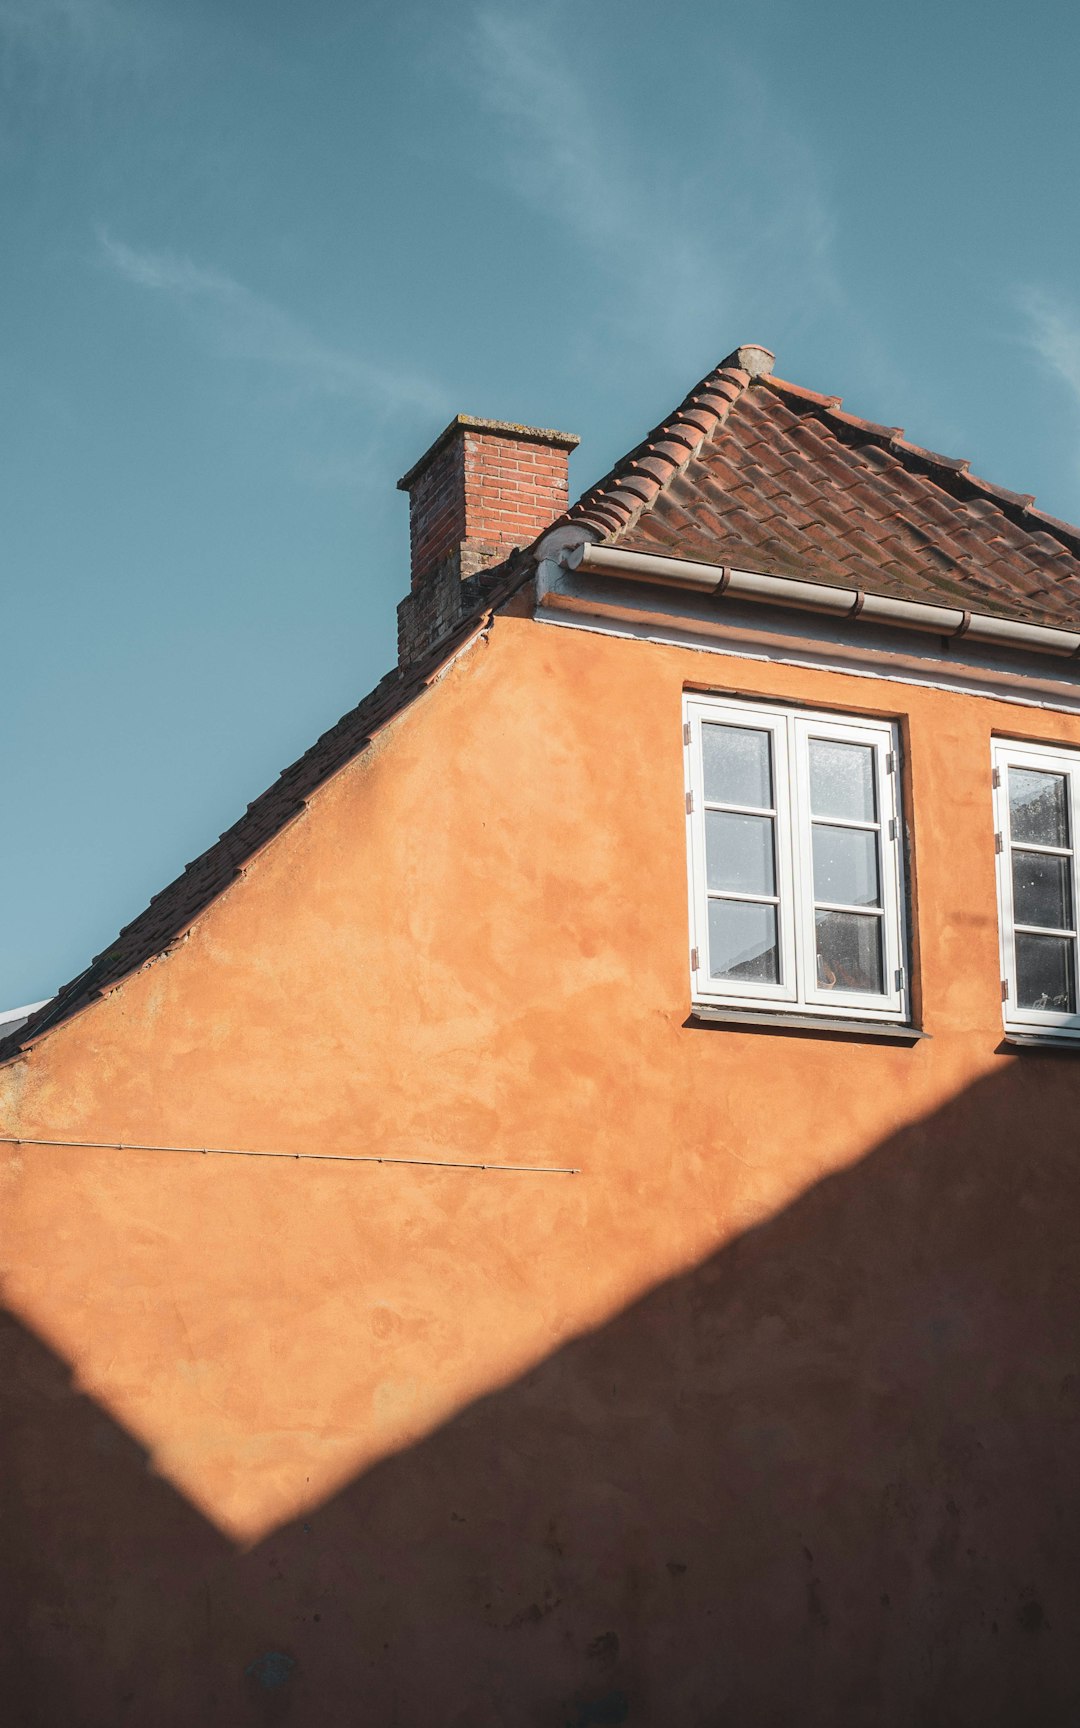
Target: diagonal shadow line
830, 1471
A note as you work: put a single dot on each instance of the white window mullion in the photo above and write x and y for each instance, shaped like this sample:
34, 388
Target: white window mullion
880, 921
785, 846
892, 849
695, 842
731, 813
1003, 850
803, 864
1024, 840
756, 813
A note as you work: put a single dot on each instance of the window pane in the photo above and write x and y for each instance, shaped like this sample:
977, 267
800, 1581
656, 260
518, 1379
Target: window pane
845, 865
1037, 807
848, 952
1041, 890
1044, 973
742, 941
842, 780
739, 853
737, 764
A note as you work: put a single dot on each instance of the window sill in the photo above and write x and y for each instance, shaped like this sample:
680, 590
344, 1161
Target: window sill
814, 1025
1038, 1041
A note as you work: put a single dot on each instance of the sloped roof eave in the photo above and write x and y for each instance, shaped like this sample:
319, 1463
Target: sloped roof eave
843, 602
756, 472
174, 911
896, 519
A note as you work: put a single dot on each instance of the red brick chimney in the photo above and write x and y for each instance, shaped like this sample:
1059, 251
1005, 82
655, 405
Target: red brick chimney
482, 489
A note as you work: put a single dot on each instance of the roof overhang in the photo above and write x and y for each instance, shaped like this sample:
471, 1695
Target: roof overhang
720, 579
711, 605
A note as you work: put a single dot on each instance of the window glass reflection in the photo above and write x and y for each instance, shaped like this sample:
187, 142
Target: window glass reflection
849, 952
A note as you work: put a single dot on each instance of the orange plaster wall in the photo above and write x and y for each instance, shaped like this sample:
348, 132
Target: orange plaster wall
473, 946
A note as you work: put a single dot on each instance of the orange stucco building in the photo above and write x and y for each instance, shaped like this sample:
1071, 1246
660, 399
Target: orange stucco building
661, 1304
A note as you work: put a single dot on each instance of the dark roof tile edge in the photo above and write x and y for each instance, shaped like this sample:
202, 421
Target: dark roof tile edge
173, 912
953, 472
616, 501
609, 507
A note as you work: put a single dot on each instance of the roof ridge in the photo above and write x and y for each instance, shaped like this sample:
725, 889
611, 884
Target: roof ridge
616, 501
953, 472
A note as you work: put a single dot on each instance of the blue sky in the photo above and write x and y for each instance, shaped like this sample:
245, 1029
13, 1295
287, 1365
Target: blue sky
257, 253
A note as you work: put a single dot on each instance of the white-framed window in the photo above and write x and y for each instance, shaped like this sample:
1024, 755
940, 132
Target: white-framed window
1037, 823
794, 843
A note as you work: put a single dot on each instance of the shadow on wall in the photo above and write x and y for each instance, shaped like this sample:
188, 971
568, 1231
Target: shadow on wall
830, 1476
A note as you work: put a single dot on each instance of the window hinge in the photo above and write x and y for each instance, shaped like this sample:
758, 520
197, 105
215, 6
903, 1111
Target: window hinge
999, 843
695, 963
899, 977
686, 732
1004, 989
689, 803
890, 762
894, 829
995, 778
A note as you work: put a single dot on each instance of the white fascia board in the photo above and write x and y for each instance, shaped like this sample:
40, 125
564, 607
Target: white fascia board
856, 647
806, 595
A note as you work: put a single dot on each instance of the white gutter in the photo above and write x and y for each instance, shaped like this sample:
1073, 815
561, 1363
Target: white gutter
821, 597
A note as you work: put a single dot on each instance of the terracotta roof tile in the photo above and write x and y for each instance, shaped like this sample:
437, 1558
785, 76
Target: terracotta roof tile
786, 479
748, 470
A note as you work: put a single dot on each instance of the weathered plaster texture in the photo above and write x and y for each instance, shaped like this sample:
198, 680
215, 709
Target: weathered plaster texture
769, 1415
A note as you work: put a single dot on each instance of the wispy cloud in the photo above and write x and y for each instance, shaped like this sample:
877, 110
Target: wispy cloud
51, 21
1053, 331
678, 222
242, 325
93, 32
59, 58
